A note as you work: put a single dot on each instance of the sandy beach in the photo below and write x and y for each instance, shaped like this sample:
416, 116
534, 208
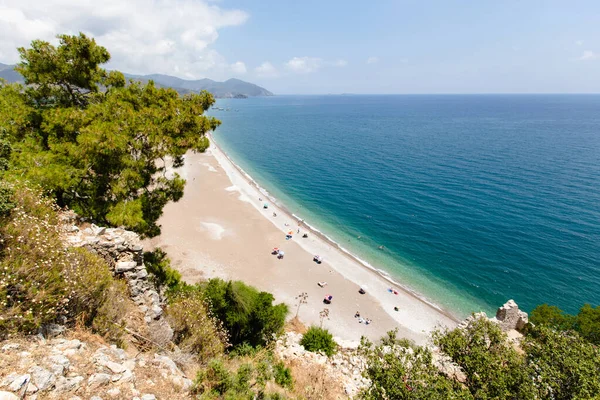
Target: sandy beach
220, 229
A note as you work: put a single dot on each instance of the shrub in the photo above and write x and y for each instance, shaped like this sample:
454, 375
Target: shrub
42, 281
248, 315
319, 339
159, 266
283, 375
195, 330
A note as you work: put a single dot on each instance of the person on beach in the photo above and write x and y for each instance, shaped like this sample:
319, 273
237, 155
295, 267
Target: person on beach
357, 314
274, 214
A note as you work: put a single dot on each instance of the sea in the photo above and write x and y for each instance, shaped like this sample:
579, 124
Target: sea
476, 199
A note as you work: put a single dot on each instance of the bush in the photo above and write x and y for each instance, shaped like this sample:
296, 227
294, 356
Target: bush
319, 339
159, 266
586, 322
194, 328
42, 281
248, 315
283, 375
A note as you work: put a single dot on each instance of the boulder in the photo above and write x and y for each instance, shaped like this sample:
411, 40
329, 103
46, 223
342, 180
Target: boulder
7, 396
124, 266
42, 378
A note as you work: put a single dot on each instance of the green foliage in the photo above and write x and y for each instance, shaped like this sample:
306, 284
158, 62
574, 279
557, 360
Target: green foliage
586, 322
551, 364
159, 266
492, 366
565, 365
194, 328
283, 375
248, 315
319, 339
104, 153
243, 378
41, 281
398, 370
553, 316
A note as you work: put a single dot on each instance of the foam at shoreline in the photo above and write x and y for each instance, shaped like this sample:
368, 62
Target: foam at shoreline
380, 273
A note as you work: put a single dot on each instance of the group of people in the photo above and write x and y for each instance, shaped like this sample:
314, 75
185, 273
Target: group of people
367, 321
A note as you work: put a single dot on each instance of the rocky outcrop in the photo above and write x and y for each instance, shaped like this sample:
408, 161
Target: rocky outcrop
74, 369
123, 251
510, 317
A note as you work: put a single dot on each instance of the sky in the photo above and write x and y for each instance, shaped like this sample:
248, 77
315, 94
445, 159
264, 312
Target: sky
333, 46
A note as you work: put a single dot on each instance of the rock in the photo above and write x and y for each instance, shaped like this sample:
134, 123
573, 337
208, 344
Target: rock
15, 381
59, 364
41, 377
127, 376
52, 330
148, 397
67, 384
167, 363
10, 346
7, 396
156, 311
97, 380
124, 266
114, 392
69, 345
95, 398
96, 230
116, 368
510, 317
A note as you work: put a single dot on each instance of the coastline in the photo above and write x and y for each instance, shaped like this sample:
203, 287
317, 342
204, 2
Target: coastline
219, 229
224, 158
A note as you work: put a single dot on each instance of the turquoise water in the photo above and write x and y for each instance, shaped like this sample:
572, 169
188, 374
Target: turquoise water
477, 199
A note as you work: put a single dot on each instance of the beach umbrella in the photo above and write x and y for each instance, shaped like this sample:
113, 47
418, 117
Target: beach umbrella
281, 253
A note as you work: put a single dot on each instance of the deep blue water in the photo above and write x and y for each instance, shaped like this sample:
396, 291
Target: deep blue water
476, 198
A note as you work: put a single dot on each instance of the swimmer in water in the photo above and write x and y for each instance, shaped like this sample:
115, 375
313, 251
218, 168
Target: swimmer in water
381, 247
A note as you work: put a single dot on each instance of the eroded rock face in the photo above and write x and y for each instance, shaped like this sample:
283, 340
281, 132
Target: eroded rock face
123, 252
510, 317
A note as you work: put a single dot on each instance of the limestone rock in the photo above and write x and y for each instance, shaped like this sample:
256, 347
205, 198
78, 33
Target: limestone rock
68, 384
7, 396
41, 377
510, 317
97, 380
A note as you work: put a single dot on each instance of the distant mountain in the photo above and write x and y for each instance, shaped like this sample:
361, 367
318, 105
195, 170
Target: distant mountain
231, 88
8, 73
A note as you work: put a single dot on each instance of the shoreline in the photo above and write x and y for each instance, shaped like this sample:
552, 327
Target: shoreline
219, 229
221, 156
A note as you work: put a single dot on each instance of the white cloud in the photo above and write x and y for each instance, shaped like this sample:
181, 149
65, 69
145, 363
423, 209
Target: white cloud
304, 65
238, 68
579, 42
266, 69
372, 60
172, 36
340, 63
589, 55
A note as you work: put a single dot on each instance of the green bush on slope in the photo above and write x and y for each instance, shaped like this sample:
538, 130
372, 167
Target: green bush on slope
319, 339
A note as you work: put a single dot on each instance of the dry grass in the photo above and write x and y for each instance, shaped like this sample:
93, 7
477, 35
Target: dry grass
295, 325
312, 382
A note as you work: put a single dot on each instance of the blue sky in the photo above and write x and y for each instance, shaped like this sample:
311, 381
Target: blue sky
423, 46
306, 47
